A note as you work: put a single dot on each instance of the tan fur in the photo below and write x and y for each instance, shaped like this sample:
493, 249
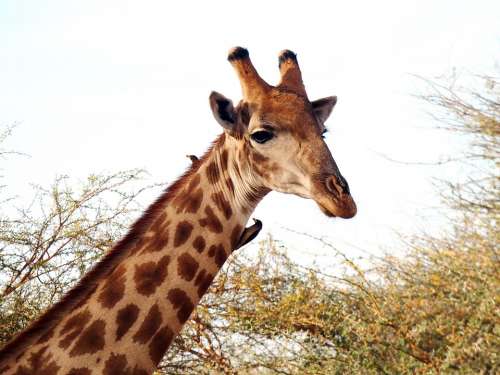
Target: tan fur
124, 314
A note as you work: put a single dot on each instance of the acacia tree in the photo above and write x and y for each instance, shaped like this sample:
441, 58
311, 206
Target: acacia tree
5, 132
47, 245
435, 310
473, 112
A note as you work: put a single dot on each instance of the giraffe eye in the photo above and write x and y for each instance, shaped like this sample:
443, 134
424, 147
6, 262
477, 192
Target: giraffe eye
261, 136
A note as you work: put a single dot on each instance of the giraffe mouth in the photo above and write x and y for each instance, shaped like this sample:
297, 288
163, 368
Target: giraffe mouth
325, 211
335, 203
334, 197
346, 208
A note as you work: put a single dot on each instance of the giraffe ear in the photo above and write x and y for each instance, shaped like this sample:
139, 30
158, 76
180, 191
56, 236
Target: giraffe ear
323, 107
223, 111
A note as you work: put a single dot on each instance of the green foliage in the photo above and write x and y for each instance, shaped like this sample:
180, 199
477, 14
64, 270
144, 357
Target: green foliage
46, 247
434, 310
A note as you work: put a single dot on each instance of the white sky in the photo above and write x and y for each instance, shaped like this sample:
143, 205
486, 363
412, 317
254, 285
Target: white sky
107, 85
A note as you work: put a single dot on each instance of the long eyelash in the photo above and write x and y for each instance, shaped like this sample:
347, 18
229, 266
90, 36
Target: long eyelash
323, 133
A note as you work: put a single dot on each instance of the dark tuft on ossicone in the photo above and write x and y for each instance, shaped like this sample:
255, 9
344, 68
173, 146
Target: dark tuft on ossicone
287, 55
237, 53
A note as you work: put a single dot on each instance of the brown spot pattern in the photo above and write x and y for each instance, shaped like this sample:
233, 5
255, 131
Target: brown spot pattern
160, 343
91, 340
80, 371
117, 364
181, 302
224, 159
259, 158
212, 172
203, 281
158, 242
149, 326
230, 186
46, 336
187, 266
220, 256
194, 201
212, 223
182, 233
222, 204
189, 200
73, 328
125, 318
85, 298
139, 244
158, 225
219, 253
39, 363
114, 288
194, 183
199, 244
211, 250
150, 275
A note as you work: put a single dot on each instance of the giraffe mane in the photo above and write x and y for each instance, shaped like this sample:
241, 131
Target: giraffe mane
89, 282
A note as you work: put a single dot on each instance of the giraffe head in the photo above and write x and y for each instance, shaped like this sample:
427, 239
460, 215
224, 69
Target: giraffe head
279, 135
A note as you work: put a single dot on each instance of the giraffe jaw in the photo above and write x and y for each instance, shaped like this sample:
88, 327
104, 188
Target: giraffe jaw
331, 207
325, 211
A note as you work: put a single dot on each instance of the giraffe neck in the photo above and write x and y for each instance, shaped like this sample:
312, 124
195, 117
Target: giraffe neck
129, 319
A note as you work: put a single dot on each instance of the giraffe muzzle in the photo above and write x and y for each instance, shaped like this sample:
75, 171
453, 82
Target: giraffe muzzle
337, 185
338, 200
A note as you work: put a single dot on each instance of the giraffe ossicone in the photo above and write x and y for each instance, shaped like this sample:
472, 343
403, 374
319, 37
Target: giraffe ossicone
125, 312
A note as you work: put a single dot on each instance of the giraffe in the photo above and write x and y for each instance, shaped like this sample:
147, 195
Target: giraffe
124, 313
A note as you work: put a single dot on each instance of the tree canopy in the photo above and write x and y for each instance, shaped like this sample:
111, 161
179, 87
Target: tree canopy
433, 310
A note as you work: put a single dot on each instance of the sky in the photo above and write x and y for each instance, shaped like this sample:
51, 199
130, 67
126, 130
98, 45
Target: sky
99, 86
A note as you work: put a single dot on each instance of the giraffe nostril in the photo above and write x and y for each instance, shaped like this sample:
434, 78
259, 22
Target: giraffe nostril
344, 185
337, 185
332, 186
